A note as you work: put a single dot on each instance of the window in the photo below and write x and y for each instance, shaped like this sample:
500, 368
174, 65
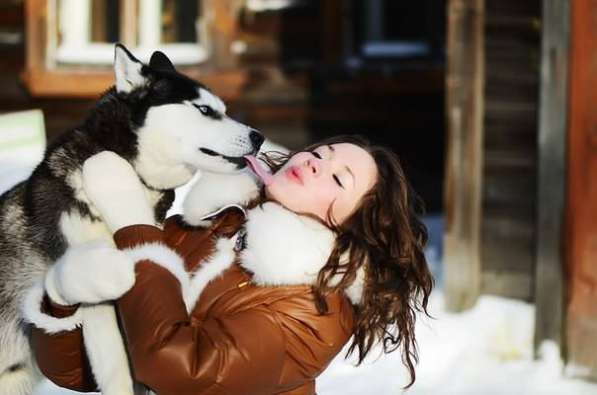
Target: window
397, 30
83, 31
70, 43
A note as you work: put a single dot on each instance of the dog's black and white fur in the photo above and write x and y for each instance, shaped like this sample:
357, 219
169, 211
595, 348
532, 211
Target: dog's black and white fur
168, 127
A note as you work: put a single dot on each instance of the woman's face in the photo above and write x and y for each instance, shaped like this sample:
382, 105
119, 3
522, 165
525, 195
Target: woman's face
332, 176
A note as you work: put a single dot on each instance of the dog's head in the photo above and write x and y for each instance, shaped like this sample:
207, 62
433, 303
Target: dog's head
181, 126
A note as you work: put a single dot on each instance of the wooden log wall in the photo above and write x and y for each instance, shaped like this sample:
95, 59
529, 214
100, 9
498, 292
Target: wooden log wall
491, 168
510, 123
581, 215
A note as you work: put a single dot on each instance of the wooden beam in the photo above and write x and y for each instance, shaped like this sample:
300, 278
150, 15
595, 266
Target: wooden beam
551, 188
35, 27
464, 162
85, 83
581, 204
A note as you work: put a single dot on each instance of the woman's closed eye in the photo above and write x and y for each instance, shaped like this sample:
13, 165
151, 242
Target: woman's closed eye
338, 181
316, 154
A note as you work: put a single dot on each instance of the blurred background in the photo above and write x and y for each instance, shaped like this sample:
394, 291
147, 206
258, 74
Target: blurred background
490, 105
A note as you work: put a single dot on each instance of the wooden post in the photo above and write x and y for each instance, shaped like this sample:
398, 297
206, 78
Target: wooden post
581, 210
35, 25
464, 163
549, 265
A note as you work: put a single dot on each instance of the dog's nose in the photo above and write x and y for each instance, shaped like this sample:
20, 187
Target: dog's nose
256, 139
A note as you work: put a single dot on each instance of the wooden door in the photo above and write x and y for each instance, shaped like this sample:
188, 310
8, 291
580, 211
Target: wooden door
582, 190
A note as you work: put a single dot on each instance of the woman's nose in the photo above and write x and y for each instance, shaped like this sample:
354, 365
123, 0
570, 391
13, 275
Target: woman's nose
314, 166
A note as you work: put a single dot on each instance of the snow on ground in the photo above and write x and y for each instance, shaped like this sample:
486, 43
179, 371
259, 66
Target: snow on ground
486, 350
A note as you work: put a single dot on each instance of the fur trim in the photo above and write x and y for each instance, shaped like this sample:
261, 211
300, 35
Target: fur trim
215, 265
284, 248
355, 290
191, 287
106, 350
31, 312
212, 192
164, 256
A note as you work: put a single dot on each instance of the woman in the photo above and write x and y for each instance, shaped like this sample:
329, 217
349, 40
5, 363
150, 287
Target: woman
258, 302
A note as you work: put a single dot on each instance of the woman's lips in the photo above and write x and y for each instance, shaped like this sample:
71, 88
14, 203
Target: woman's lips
294, 173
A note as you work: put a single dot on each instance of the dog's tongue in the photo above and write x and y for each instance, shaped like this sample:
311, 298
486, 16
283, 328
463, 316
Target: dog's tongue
259, 170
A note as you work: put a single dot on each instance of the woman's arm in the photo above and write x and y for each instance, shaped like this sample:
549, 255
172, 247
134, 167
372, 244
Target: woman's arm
172, 353
91, 272
61, 356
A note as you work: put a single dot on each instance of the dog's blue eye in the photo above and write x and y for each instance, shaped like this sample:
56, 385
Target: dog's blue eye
205, 110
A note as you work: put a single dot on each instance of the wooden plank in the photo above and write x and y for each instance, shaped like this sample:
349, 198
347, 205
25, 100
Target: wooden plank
464, 108
86, 83
35, 26
581, 210
510, 148
549, 273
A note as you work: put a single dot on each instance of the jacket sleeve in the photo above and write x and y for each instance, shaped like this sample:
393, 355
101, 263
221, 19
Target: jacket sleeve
57, 342
243, 351
312, 340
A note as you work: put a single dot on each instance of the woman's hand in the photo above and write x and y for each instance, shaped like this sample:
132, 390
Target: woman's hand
113, 187
90, 272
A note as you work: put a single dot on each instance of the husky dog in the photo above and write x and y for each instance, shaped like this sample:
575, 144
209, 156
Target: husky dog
168, 127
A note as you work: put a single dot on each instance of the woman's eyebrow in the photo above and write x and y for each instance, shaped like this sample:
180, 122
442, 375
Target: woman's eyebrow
352, 174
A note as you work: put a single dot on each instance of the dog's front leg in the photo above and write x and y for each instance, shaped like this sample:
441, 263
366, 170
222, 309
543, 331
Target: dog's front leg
106, 350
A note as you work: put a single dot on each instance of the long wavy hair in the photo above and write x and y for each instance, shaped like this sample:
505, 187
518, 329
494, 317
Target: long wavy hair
384, 237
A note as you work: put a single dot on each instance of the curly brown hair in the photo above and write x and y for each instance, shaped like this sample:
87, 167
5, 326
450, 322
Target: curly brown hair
385, 237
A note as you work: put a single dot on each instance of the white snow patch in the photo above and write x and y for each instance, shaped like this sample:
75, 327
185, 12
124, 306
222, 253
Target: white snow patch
486, 350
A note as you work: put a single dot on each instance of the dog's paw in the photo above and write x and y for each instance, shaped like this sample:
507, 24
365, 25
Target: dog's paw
106, 172
215, 191
113, 187
93, 272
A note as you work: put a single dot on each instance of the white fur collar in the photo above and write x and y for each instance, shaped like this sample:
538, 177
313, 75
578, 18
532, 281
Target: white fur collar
284, 248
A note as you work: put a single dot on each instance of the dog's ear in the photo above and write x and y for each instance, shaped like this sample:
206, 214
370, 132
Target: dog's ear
127, 70
159, 61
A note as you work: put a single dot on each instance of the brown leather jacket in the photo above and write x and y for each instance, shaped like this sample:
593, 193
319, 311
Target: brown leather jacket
238, 336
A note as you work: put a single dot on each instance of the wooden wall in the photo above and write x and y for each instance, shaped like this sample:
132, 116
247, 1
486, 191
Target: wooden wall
581, 215
510, 123
493, 94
